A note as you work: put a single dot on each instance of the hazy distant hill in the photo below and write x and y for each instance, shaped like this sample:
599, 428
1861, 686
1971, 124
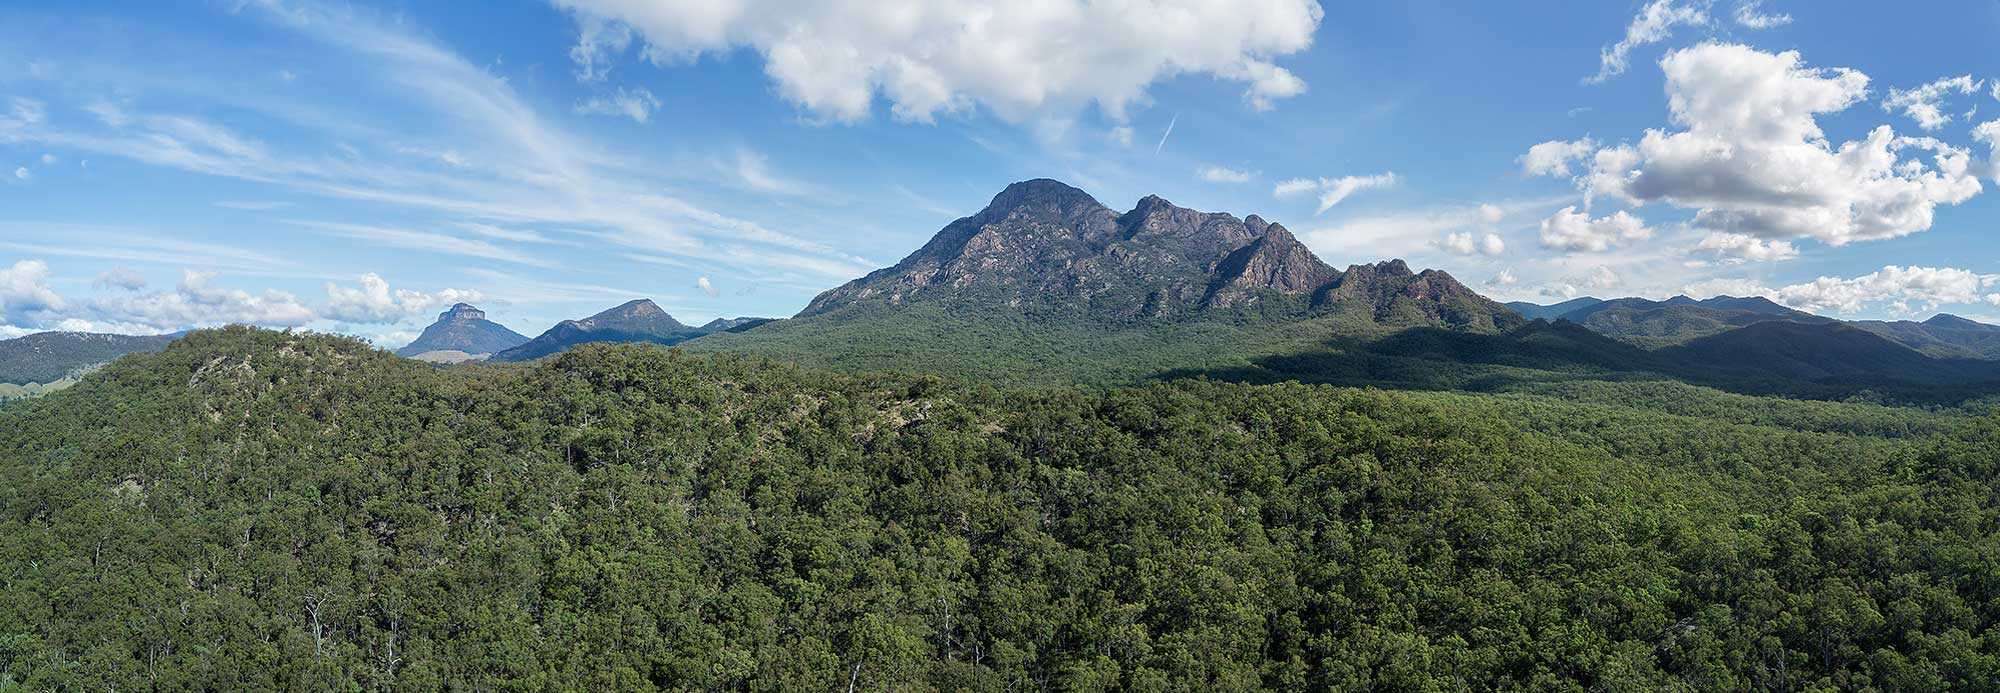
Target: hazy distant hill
45, 357
1553, 310
1943, 336
732, 324
462, 333
1817, 351
634, 321
1677, 320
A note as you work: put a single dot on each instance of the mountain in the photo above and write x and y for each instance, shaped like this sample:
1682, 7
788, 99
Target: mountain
1817, 351
1942, 336
634, 321
46, 357
1048, 284
732, 324
1551, 311
1043, 247
1655, 324
462, 333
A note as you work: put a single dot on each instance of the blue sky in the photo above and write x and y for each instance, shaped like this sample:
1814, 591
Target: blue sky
356, 167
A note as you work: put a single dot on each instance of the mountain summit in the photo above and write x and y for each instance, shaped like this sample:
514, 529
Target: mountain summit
1044, 247
461, 333
1046, 284
633, 321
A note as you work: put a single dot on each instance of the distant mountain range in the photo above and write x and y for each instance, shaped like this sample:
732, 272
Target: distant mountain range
1679, 320
461, 333
46, 357
732, 324
634, 321
1048, 286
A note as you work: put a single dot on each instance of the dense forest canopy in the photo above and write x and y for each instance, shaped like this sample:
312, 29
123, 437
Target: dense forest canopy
252, 510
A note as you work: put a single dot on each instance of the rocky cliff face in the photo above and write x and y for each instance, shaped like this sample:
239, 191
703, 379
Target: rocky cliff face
1044, 246
1275, 261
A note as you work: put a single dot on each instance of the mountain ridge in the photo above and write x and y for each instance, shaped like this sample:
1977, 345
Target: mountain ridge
637, 320
1044, 246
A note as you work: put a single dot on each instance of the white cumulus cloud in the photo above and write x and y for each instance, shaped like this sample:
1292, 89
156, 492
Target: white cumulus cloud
1221, 174
1989, 132
1898, 287
1571, 230
374, 303
1552, 158
196, 302
1925, 104
1751, 158
834, 57
1490, 213
24, 288
1463, 243
1711, 288
1739, 247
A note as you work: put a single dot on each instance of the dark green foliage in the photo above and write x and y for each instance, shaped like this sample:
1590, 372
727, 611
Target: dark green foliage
1032, 348
256, 510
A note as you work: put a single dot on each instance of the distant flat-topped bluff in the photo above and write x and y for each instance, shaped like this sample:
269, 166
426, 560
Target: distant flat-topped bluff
462, 333
1044, 246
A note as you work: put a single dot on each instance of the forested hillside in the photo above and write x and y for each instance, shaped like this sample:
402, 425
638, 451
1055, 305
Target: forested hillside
46, 357
259, 510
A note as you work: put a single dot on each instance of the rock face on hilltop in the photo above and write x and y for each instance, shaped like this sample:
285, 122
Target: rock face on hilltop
462, 333
634, 321
1045, 247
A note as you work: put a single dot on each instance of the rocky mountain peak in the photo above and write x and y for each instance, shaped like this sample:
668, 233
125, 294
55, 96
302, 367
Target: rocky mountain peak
464, 330
632, 314
462, 311
1048, 248
1041, 197
1275, 260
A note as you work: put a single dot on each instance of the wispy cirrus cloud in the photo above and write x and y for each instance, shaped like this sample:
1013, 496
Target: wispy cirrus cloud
430, 241
496, 164
143, 246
